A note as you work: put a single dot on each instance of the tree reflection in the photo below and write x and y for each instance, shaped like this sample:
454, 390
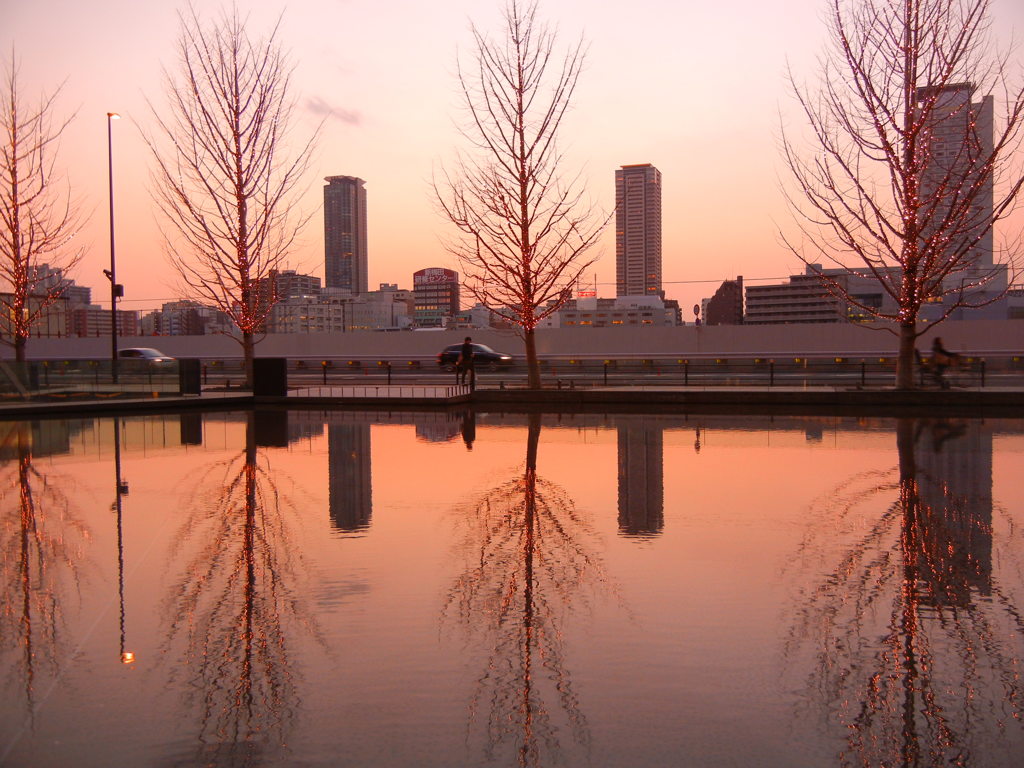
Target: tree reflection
237, 604
529, 560
916, 648
42, 547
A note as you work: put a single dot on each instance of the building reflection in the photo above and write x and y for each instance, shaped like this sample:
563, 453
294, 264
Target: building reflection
42, 542
528, 558
236, 608
910, 628
641, 476
349, 476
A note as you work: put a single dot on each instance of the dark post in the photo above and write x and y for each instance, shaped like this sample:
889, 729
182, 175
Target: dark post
983, 372
270, 376
606, 373
771, 373
863, 372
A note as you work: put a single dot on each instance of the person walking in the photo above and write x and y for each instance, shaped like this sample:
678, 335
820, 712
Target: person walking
465, 365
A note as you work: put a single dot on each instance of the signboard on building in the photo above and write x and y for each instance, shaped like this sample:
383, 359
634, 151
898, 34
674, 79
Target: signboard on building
433, 275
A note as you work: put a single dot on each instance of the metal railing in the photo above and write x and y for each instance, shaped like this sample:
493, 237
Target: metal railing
65, 379
854, 372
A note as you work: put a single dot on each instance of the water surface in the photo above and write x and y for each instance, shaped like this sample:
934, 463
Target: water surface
437, 589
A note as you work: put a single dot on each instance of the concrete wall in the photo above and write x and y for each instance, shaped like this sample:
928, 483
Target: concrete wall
980, 337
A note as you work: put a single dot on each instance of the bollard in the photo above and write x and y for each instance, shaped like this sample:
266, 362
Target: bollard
606, 373
771, 374
863, 373
323, 367
389, 372
686, 373
983, 372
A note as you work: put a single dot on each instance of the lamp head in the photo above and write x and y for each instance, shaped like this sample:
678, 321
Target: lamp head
113, 116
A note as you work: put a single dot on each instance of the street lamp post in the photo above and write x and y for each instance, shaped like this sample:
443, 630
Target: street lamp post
115, 289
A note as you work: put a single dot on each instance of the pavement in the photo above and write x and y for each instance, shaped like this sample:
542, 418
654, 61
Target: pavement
1002, 401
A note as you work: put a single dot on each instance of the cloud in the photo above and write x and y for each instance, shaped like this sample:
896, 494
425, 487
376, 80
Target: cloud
319, 106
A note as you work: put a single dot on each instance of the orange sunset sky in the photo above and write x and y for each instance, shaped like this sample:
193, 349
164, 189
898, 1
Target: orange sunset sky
697, 89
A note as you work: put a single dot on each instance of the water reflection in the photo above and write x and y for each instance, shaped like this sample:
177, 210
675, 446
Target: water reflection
43, 544
914, 647
641, 476
529, 558
237, 604
349, 476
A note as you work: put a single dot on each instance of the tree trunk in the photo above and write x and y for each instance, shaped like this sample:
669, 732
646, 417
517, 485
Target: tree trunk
19, 348
905, 359
248, 347
532, 363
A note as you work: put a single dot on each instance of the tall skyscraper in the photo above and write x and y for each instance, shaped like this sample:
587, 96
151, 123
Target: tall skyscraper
345, 234
638, 231
960, 137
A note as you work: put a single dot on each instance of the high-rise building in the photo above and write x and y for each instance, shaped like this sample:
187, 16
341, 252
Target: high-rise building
345, 234
960, 136
638, 231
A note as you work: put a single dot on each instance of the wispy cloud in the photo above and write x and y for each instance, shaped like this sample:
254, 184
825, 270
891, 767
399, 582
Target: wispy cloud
319, 106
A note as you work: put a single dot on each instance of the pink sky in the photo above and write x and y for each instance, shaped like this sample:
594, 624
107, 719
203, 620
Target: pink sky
695, 89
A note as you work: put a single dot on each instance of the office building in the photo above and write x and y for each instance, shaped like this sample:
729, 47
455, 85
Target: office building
626, 311
726, 306
435, 296
638, 231
345, 254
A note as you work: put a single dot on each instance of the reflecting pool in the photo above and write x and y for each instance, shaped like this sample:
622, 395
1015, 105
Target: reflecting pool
454, 588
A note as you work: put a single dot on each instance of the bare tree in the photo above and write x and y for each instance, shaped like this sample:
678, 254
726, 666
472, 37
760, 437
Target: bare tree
902, 179
524, 226
39, 218
240, 605
530, 557
909, 638
224, 179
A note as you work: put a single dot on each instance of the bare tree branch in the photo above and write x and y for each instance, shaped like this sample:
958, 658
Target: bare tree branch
223, 178
908, 174
524, 227
38, 221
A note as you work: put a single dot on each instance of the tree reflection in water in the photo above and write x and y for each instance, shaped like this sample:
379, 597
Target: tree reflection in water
915, 648
529, 560
42, 545
237, 604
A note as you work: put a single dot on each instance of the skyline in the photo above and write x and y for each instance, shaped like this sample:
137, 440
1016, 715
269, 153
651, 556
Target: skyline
391, 91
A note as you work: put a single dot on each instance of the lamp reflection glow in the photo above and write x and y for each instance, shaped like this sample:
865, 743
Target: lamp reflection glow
127, 657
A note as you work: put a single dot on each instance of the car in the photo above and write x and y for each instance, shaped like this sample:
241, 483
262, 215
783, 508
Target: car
149, 355
482, 356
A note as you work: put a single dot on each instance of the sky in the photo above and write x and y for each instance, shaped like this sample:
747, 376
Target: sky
697, 89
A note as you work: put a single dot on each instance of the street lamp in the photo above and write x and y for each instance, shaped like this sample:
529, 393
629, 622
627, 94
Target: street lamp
115, 289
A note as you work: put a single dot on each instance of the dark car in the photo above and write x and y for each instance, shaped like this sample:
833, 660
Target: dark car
482, 356
149, 355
